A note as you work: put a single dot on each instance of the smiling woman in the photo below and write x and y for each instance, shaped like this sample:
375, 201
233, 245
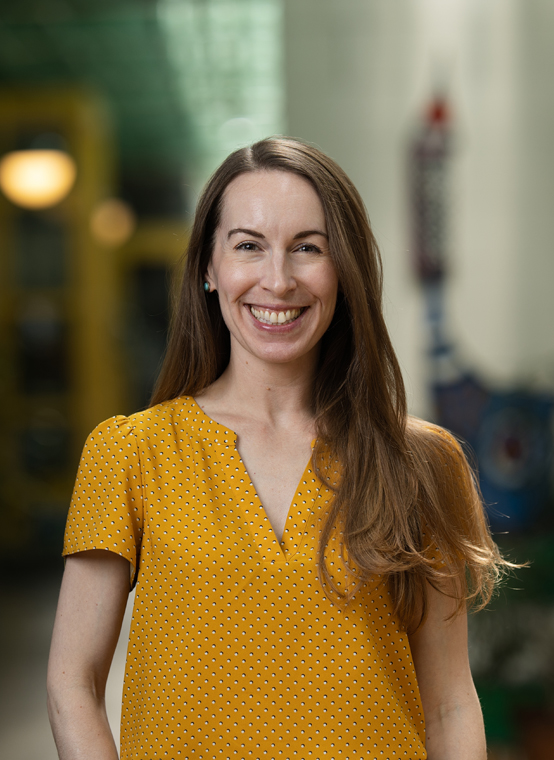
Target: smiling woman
303, 551
272, 269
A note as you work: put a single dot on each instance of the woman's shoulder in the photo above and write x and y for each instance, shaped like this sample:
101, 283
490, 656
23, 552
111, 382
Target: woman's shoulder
180, 409
432, 433
148, 421
436, 445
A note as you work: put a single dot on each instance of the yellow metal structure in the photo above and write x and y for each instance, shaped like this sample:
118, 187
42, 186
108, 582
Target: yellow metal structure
151, 257
74, 305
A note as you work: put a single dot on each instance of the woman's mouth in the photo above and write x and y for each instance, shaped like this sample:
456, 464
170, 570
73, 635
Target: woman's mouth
283, 317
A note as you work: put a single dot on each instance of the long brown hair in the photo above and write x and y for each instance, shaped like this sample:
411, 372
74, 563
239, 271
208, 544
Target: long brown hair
398, 499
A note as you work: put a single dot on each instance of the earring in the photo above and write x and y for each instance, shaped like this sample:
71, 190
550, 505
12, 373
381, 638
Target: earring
207, 287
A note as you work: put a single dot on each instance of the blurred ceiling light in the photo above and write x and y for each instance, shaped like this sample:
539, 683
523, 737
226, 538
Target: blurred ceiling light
112, 222
37, 178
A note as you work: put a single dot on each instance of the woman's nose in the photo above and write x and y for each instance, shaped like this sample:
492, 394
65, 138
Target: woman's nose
278, 276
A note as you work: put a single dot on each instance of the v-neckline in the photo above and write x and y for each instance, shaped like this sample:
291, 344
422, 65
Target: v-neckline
289, 544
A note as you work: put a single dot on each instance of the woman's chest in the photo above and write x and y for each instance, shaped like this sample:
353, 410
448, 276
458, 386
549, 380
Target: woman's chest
200, 505
275, 467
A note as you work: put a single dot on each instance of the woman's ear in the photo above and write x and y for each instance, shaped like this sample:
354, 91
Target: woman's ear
208, 283
210, 279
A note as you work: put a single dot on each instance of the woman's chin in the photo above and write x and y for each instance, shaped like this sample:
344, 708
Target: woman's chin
275, 354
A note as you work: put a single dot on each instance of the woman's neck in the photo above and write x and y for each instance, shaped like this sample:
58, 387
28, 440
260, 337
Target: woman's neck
269, 392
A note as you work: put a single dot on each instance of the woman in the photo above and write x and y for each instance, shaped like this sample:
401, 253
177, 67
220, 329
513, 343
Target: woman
329, 622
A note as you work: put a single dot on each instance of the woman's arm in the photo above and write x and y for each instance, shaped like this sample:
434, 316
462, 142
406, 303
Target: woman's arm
453, 718
92, 603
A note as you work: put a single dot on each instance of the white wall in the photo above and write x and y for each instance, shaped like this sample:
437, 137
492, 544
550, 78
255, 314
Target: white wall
359, 74
535, 265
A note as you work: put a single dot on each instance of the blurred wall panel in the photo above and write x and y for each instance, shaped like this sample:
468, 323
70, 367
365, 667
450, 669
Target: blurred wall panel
535, 303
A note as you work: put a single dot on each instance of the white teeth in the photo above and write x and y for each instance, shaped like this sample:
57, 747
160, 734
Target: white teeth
275, 317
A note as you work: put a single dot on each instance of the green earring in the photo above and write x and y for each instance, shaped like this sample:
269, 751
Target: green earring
207, 287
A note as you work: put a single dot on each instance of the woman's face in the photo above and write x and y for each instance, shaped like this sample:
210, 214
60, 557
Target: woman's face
272, 269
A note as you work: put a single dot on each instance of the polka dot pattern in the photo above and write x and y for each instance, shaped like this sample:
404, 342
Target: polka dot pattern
235, 651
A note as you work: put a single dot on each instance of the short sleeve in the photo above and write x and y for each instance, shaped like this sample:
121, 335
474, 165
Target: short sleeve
106, 506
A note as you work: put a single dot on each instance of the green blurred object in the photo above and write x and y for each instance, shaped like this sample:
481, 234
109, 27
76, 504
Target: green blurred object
228, 59
512, 644
186, 82
536, 582
116, 48
501, 706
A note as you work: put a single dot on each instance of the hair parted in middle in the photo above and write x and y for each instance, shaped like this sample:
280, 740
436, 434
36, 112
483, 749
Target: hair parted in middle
390, 498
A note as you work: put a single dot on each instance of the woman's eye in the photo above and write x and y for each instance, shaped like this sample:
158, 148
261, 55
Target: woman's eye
247, 246
309, 248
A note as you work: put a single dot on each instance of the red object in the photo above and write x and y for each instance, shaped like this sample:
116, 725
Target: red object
438, 113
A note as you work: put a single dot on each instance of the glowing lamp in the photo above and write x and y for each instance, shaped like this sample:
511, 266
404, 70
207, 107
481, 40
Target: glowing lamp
37, 178
112, 222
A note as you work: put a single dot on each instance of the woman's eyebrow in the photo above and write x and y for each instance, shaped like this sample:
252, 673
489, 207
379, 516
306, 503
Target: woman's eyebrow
245, 231
253, 233
307, 233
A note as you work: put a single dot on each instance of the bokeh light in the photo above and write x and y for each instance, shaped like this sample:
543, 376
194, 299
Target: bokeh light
112, 222
37, 179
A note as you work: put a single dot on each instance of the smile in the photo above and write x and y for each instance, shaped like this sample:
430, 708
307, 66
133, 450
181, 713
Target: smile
275, 317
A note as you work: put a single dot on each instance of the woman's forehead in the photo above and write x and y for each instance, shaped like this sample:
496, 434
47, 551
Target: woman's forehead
263, 197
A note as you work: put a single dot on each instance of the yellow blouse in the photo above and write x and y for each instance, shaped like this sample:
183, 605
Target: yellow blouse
235, 651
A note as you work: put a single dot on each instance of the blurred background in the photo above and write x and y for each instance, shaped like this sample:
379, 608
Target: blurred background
112, 116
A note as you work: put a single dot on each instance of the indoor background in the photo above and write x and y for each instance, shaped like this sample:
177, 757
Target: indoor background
112, 116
